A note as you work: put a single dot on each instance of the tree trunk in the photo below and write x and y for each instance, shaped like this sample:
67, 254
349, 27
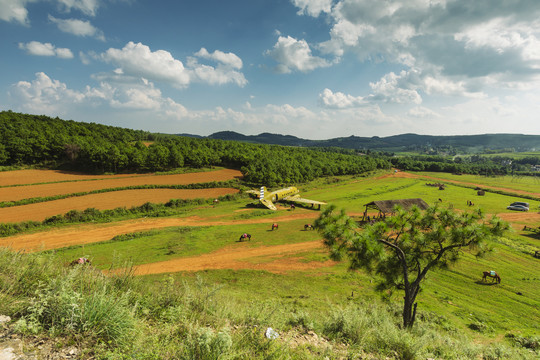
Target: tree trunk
409, 310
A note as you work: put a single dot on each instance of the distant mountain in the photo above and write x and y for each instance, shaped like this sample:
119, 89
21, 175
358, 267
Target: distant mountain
517, 142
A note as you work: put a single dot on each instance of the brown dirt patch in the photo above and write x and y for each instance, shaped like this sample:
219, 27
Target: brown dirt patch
104, 201
240, 256
19, 177
45, 190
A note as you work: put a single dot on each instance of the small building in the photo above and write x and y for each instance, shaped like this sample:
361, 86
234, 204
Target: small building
386, 207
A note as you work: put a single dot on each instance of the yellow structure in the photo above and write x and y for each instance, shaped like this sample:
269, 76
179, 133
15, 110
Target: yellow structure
289, 194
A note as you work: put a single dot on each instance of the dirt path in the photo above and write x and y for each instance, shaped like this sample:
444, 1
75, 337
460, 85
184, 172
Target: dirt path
240, 256
89, 233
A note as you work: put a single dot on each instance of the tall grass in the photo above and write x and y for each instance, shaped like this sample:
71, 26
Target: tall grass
121, 317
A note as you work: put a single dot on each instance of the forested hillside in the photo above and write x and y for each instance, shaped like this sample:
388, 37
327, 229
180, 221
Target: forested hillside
55, 143
403, 142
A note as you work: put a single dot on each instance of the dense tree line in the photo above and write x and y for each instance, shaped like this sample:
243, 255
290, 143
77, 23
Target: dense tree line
452, 166
41, 140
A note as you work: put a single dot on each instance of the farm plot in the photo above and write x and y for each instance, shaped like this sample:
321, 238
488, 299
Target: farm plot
104, 201
21, 177
46, 190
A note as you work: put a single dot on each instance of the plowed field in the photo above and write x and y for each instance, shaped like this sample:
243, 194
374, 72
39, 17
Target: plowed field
104, 201
45, 190
18, 177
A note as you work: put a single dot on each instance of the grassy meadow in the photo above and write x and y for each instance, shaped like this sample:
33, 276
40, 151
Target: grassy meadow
459, 316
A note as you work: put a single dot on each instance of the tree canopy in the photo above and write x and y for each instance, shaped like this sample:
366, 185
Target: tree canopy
41, 140
401, 249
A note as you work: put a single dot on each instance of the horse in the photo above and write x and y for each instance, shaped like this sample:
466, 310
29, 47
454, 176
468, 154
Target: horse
275, 226
245, 237
494, 277
80, 261
308, 227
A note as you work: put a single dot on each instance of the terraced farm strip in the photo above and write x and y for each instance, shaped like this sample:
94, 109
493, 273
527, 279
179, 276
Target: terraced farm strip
104, 201
46, 190
21, 177
90, 233
236, 257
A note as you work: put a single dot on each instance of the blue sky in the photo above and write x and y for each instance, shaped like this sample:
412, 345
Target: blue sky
315, 69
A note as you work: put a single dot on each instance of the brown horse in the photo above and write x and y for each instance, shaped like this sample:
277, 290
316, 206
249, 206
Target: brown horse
245, 237
80, 261
495, 277
308, 227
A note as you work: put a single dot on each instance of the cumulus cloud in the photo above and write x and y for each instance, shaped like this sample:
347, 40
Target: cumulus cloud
44, 95
422, 112
136, 60
45, 49
227, 59
466, 45
313, 7
77, 27
394, 88
339, 100
88, 7
14, 10
295, 55
225, 71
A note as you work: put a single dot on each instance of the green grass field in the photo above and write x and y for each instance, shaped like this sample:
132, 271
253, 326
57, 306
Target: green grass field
484, 311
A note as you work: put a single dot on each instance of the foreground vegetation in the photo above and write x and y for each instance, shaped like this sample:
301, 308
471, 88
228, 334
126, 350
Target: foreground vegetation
122, 317
325, 312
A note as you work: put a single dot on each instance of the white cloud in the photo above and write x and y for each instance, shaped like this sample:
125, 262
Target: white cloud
139, 61
45, 49
227, 59
43, 95
339, 100
313, 7
459, 47
14, 10
422, 113
88, 7
292, 55
391, 88
48, 96
222, 74
77, 27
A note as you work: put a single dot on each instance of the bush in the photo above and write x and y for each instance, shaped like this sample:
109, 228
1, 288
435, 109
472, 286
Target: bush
93, 311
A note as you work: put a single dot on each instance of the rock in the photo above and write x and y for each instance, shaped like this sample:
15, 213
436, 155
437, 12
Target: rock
4, 319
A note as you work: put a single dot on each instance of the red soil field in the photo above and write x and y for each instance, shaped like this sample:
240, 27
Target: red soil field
45, 190
18, 177
104, 201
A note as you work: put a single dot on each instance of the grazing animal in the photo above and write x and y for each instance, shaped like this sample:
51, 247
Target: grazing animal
80, 261
275, 226
308, 227
440, 200
245, 237
293, 207
493, 275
